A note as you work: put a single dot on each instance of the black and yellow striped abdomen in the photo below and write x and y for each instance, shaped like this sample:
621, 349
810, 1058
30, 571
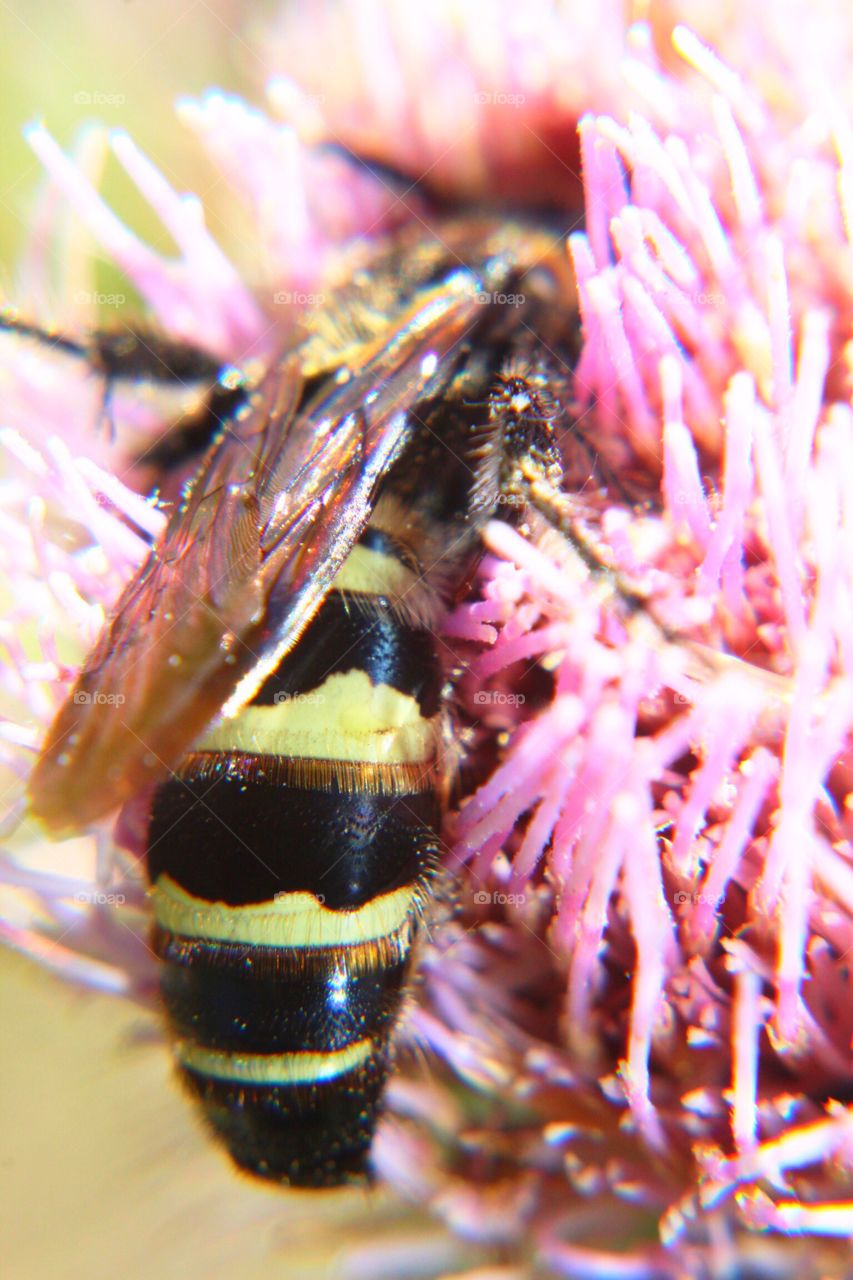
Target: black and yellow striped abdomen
289, 860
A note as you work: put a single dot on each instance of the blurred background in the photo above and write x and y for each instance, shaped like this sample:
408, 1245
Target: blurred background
123, 64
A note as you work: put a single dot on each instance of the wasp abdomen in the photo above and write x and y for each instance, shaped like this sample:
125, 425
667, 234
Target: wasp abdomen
289, 859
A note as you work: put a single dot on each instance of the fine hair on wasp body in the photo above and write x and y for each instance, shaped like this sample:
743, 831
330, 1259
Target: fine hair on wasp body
279, 660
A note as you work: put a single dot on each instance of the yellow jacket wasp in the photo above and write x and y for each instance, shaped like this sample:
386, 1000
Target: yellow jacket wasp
279, 668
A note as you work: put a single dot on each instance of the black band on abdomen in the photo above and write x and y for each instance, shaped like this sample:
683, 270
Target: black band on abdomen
234, 1008
308, 1135
352, 633
236, 841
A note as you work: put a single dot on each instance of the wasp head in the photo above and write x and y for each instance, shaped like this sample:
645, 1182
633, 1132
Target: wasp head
524, 412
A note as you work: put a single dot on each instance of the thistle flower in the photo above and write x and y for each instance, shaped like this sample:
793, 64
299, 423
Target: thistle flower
637, 1016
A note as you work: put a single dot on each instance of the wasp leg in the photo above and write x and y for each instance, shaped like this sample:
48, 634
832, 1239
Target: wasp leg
525, 411
208, 394
556, 507
190, 436
140, 357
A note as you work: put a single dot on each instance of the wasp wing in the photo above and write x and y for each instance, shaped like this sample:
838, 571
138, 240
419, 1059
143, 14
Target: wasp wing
242, 565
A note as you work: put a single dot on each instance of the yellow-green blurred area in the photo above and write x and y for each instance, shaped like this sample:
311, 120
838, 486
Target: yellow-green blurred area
122, 64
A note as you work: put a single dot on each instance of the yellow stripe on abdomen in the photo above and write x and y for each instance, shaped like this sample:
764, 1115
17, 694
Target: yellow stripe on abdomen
347, 717
271, 1069
289, 920
374, 573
